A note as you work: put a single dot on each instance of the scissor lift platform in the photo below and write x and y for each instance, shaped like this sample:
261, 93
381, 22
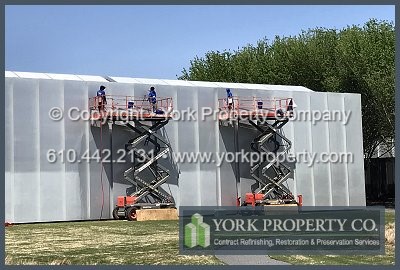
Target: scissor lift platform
267, 116
121, 108
144, 119
255, 108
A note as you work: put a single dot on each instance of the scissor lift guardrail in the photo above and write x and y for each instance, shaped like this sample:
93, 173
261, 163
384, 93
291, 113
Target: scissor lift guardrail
145, 119
269, 174
129, 107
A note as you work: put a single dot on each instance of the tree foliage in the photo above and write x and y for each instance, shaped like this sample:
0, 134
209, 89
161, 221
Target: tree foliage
356, 59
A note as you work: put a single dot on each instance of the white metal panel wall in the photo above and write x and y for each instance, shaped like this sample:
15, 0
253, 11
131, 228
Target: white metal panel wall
226, 178
302, 142
9, 151
171, 135
188, 141
337, 144
52, 136
36, 189
320, 144
207, 128
354, 145
65, 191
26, 163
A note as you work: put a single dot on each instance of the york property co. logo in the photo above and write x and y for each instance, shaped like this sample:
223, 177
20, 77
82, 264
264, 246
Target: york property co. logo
197, 232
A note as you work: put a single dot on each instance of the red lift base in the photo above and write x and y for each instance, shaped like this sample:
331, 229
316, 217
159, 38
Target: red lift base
126, 207
256, 199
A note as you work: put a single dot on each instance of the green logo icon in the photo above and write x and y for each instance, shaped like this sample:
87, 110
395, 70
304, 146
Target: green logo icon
197, 232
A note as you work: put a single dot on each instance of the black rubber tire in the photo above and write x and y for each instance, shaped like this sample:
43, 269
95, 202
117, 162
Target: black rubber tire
115, 214
131, 214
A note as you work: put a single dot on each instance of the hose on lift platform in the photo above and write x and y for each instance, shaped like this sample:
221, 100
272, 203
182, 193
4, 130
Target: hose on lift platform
101, 169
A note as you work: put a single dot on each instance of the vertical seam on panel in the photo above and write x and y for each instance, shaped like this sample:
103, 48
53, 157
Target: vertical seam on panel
63, 137
293, 151
176, 138
106, 185
197, 141
362, 151
329, 150
111, 165
311, 151
217, 149
38, 148
111, 180
345, 150
12, 169
88, 174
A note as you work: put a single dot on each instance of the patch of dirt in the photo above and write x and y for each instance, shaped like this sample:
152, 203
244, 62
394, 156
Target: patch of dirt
390, 234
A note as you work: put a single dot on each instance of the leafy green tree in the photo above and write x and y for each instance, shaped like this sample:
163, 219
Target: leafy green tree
356, 59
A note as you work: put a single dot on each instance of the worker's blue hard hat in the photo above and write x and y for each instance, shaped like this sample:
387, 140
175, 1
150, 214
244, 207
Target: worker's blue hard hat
228, 90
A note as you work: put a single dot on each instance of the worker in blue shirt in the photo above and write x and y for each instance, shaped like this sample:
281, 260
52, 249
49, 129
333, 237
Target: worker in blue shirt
152, 98
229, 99
101, 98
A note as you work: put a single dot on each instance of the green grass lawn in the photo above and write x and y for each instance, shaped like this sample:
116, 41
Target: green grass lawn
98, 242
124, 242
387, 259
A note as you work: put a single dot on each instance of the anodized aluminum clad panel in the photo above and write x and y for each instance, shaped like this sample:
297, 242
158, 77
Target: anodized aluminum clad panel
320, 144
99, 175
10, 74
204, 84
32, 75
178, 83
207, 144
26, 150
245, 134
75, 97
337, 144
9, 151
170, 134
152, 82
226, 174
354, 145
302, 143
74, 190
124, 80
52, 174
66, 77
189, 183
89, 78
